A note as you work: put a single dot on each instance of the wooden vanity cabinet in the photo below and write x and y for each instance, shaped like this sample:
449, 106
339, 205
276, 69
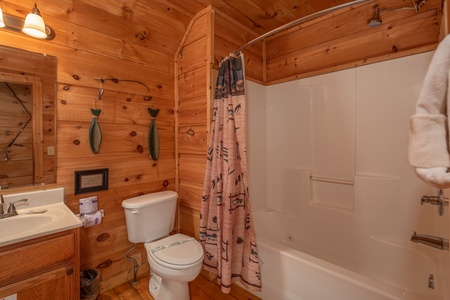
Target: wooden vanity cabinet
43, 268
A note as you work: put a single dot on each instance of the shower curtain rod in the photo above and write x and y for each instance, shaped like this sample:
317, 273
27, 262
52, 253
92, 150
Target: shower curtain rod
301, 20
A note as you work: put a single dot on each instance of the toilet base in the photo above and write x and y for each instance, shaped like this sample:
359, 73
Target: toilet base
163, 289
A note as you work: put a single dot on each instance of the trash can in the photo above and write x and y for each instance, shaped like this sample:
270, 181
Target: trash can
89, 284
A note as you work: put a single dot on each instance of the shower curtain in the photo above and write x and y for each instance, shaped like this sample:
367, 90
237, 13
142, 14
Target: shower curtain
226, 224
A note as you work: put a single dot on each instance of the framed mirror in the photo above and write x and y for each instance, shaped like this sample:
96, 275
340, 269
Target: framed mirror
27, 118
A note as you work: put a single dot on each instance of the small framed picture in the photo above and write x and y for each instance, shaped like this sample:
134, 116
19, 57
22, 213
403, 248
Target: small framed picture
91, 181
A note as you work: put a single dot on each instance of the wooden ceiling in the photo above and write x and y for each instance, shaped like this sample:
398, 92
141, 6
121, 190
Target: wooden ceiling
262, 16
341, 38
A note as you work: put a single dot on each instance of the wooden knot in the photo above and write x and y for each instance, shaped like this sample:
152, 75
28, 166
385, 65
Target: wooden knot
127, 9
76, 77
190, 132
103, 237
140, 36
105, 264
165, 183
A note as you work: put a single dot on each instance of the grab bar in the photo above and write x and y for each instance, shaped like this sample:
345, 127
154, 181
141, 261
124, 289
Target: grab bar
332, 180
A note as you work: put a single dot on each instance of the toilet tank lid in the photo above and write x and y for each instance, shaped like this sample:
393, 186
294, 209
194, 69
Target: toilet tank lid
149, 199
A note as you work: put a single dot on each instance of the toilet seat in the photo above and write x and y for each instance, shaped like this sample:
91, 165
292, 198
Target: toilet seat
177, 251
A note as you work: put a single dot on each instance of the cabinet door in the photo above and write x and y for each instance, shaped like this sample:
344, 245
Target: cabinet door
55, 285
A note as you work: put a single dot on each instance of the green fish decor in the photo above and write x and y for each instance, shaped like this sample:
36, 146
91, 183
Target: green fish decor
95, 134
153, 138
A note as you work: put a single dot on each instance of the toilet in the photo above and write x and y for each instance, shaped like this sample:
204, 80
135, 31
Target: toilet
174, 260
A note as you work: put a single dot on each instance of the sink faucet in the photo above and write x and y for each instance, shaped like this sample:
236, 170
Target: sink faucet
11, 210
432, 241
2, 203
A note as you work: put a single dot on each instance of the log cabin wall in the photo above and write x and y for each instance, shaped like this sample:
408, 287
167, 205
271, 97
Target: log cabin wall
192, 80
97, 39
343, 40
210, 37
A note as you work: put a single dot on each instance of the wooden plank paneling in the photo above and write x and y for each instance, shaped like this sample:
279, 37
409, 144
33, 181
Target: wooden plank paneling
192, 56
192, 84
190, 221
289, 63
228, 37
192, 111
190, 194
93, 41
193, 139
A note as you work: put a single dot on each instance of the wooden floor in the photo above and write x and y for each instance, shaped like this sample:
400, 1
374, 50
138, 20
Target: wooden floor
200, 289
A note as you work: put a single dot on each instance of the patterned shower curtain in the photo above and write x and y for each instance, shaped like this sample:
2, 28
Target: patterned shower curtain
226, 224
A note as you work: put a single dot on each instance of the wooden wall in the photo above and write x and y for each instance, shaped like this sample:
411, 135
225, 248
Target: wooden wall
344, 40
193, 81
95, 39
210, 37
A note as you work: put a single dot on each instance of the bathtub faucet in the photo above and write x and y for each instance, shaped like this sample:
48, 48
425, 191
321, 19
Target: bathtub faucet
429, 240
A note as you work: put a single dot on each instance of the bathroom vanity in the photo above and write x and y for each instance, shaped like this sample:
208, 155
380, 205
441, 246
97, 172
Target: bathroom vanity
42, 268
40, 248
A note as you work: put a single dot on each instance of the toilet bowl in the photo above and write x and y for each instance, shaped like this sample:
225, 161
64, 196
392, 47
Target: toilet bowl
174, 260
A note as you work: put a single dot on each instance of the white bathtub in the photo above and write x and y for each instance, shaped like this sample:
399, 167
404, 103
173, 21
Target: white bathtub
387, 270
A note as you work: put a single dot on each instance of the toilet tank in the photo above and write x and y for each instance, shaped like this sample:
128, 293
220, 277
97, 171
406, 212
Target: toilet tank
151, 216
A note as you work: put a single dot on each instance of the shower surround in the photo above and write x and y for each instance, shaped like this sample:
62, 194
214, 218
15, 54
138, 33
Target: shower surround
329, 180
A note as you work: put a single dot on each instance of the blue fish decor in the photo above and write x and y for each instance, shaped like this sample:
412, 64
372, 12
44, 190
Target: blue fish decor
153, 138
95, 133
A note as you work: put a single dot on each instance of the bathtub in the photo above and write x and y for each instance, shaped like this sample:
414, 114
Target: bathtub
293, 267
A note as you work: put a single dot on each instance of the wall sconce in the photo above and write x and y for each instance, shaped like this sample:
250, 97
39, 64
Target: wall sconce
33, 25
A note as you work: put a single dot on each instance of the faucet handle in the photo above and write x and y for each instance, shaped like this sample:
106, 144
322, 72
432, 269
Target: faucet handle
12, 207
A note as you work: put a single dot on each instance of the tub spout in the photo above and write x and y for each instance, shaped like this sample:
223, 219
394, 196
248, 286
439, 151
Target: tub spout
432, 241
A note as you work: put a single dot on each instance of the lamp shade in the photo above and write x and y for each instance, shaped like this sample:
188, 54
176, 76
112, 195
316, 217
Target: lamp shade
34, 24
2, 23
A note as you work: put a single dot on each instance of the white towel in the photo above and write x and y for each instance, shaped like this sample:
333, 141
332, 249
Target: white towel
428, 150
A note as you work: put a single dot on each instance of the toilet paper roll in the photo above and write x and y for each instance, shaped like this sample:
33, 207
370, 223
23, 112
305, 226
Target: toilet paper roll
88, 205
92, 219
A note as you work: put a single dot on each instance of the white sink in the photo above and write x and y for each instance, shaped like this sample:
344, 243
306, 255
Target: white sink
36, 218
22, 224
